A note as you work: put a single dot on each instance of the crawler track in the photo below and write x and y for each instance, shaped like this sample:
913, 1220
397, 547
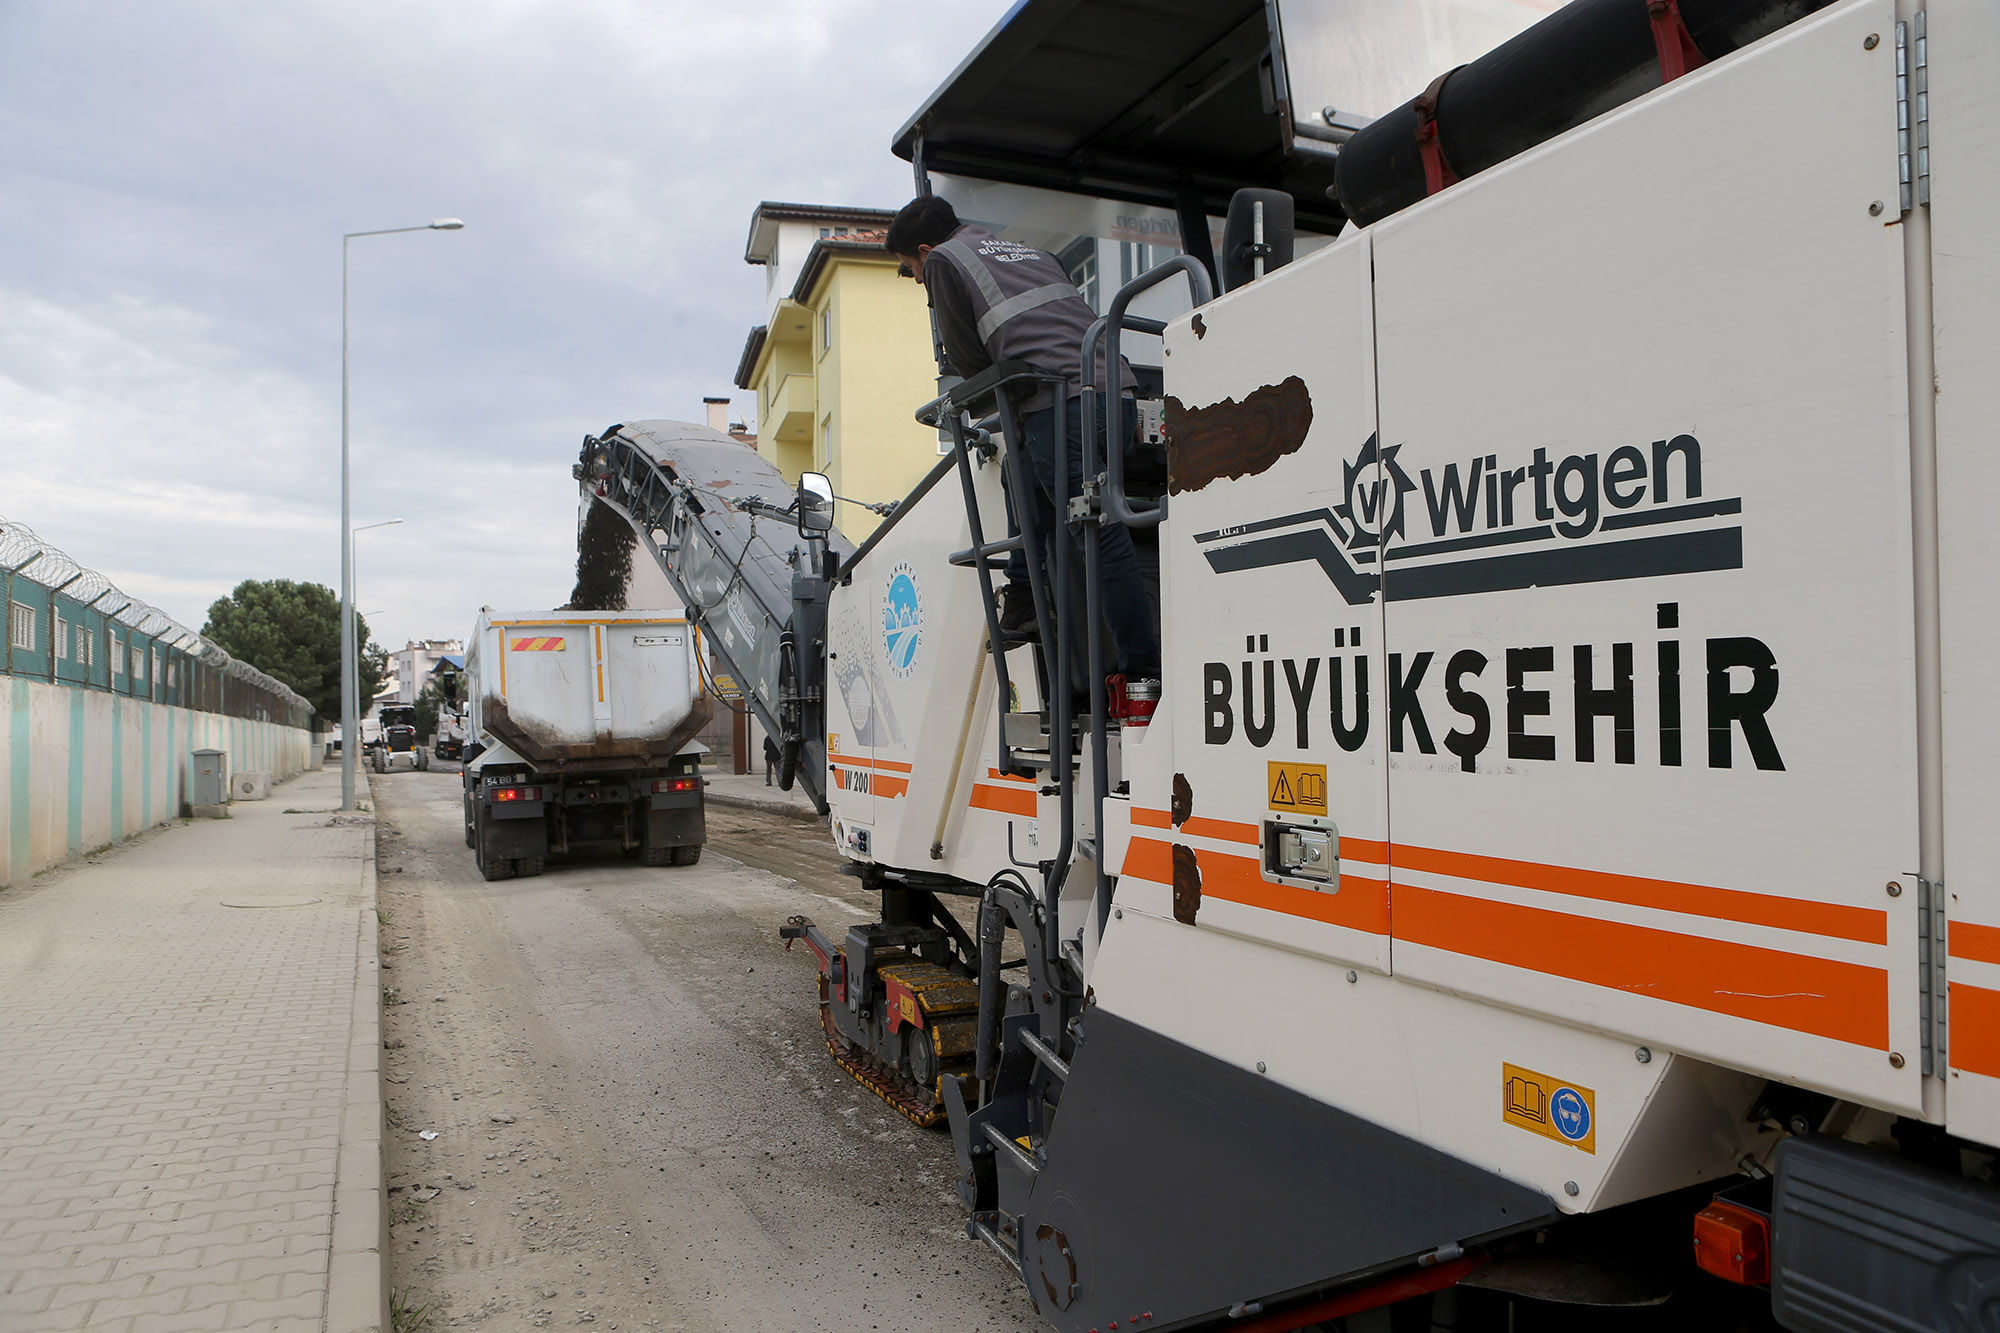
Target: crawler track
888, 1084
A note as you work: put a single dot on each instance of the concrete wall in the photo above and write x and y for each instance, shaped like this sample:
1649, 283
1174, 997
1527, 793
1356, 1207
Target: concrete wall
83, 768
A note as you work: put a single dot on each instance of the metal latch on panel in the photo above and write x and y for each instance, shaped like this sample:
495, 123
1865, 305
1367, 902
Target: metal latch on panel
1302, 852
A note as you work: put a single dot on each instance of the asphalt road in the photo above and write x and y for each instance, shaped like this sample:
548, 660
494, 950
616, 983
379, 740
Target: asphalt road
637, 1124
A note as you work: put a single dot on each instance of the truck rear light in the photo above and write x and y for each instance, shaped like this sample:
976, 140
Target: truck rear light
1733, 1243
517, 794
688, 782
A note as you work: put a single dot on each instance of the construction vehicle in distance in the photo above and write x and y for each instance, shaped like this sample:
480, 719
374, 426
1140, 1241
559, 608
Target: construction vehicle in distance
586, 723
396, 739
1560, 870
453, 726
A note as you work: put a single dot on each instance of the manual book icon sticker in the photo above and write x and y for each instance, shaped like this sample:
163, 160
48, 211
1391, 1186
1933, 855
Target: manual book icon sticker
1540, 1104
1298, 788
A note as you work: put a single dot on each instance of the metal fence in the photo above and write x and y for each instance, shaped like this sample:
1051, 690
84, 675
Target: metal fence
67, 625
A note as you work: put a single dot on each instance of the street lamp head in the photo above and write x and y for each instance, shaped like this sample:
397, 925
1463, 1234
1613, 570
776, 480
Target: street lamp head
447, 224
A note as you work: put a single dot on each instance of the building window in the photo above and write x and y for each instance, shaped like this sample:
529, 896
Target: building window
83, 645
1079, 261
117, 655
825, 328
1136, 257
62, 638
21, 627
138, 665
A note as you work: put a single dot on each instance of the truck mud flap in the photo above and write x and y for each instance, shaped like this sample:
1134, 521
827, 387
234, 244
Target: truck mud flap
1863, 1240
1181, 1185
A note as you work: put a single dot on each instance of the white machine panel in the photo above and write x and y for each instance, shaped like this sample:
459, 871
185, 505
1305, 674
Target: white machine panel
1649, 613
1274, 678
1963, 41
912, 713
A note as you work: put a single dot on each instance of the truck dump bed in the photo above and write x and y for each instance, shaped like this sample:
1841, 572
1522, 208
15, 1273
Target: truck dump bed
577, 690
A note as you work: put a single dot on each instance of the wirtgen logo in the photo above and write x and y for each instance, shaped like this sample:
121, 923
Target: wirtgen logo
1484, 527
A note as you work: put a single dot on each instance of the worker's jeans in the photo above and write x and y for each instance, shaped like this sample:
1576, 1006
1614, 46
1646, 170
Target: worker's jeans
1128, 608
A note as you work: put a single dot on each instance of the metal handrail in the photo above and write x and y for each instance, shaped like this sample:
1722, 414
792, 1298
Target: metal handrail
1113, 498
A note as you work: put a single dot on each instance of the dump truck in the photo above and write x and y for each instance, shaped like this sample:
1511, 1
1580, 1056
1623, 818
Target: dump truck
1560, 869
584, 727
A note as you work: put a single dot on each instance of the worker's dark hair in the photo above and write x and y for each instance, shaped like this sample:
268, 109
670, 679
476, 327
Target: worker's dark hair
925, 220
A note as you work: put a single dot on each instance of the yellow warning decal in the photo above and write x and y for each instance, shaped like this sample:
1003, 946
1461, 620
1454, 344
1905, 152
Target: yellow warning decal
548, 644
1540, 1104
1300, 788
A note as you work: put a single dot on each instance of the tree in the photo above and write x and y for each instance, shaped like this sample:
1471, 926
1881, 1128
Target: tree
427, 711
292, 631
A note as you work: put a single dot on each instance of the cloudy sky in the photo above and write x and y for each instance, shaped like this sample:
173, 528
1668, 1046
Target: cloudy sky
175, 177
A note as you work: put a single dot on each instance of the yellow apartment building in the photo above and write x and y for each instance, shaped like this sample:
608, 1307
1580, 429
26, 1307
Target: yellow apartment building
843, 357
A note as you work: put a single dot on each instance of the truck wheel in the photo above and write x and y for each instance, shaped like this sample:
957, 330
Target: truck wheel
423, 762
685, 855
497, 868
657, 856
527, 867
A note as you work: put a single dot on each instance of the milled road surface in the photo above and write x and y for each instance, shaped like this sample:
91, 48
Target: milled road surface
637, 1124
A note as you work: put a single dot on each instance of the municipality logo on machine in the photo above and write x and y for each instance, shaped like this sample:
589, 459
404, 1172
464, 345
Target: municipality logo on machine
902, 619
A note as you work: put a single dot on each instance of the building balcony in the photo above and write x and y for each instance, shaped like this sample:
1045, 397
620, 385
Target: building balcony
791, 412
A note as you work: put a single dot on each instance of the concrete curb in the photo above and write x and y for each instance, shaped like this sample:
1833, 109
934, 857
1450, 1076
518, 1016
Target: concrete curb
357, 1287
803, 814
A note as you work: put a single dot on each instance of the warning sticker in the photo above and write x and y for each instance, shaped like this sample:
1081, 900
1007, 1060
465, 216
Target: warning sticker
1300, 788
1540, 1104
544, 644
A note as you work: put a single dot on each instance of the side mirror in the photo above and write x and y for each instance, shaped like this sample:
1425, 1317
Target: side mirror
1256, 237
815, 504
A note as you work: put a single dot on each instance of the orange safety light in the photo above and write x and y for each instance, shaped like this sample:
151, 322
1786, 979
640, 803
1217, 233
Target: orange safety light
1733, 1243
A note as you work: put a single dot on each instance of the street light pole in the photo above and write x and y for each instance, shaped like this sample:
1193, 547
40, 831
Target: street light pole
354, 582
350, 667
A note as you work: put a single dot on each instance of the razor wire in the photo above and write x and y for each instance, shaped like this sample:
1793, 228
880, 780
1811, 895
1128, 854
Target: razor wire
26, 555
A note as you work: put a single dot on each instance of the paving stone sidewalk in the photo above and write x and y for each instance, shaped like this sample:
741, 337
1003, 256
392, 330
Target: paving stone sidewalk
190, 1105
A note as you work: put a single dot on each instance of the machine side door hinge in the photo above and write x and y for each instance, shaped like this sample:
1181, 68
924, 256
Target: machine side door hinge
1933, 999
1913, 114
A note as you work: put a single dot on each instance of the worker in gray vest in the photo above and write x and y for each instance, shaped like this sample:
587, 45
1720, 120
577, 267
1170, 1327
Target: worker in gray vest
998, 300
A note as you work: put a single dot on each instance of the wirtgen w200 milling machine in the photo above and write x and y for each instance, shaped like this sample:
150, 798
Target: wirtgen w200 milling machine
1562, 863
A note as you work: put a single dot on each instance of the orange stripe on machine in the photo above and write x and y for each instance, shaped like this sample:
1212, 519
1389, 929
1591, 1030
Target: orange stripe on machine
1361, 904
1835, 920
1006, 800
1975, 1029
1844, 1001
1976, 944
1841, 921
1827, 998
545, 644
